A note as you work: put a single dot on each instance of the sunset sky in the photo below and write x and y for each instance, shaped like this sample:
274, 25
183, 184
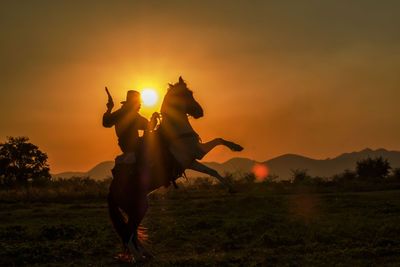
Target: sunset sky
316, 78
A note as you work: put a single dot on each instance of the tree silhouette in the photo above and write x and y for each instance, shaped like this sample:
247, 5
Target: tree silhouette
373, 168
300, 176
22, 162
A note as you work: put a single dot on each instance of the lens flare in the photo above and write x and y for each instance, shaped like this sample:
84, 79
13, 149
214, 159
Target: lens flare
260, 171
149, 97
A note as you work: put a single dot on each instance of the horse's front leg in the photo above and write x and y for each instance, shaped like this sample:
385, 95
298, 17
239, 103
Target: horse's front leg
197, 166
207, 147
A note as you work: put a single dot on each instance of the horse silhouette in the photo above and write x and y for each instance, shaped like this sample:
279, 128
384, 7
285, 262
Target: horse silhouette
165, 154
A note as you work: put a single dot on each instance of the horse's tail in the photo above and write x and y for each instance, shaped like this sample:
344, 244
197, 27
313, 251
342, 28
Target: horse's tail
117, 219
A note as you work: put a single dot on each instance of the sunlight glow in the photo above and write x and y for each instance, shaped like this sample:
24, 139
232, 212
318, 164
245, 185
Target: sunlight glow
149, 97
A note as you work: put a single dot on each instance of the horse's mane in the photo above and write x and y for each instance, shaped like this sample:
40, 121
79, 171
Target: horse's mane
172, 89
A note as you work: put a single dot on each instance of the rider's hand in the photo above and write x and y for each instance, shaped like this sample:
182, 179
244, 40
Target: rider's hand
155, 115
110, 103
154, 119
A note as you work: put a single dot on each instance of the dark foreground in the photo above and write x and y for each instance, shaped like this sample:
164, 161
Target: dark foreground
200, 227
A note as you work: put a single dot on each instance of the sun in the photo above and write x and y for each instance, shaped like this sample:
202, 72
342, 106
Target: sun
149, 97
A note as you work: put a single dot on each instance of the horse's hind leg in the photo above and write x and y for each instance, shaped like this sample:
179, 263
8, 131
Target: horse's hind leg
197, 166
131, 244
135, 217
207, 147
117, 219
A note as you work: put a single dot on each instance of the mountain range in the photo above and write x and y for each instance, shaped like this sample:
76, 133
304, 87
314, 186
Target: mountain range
280, 166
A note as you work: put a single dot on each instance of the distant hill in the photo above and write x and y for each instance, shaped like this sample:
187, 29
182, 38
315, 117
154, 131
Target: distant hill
280, 166
101, 170
283, 165
98, 172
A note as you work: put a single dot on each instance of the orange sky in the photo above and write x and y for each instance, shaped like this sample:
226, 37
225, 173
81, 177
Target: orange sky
316, 79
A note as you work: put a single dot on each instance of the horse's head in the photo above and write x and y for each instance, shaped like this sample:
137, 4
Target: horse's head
179, 99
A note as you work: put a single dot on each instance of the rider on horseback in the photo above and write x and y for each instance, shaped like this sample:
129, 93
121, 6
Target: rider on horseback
171, 149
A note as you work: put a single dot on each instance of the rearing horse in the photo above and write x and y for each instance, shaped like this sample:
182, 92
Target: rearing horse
167, 152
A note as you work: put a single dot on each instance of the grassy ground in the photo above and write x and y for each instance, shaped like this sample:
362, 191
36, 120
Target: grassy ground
207, 226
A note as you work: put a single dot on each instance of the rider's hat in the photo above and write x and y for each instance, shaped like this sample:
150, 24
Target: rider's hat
132, 96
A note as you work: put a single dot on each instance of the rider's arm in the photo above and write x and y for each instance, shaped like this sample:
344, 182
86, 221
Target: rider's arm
110, 118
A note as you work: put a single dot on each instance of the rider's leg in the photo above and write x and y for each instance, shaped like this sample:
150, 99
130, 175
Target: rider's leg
207, 147
197, 166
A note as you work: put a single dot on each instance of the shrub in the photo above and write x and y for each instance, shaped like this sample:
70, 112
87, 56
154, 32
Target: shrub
347, 175
300, 176
373, 168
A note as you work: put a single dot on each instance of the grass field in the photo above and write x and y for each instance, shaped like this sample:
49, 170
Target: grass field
209, 227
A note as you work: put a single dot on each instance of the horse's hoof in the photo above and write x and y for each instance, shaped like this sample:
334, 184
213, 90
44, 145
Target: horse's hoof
124, 257
238, 148
235, 147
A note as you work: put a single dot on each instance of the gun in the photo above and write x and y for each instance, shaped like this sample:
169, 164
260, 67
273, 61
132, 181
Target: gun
110, 103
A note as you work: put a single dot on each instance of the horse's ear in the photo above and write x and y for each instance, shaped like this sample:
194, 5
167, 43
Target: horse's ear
180, 79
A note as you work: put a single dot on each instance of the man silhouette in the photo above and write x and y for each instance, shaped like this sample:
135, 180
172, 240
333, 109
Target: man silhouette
127, 122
